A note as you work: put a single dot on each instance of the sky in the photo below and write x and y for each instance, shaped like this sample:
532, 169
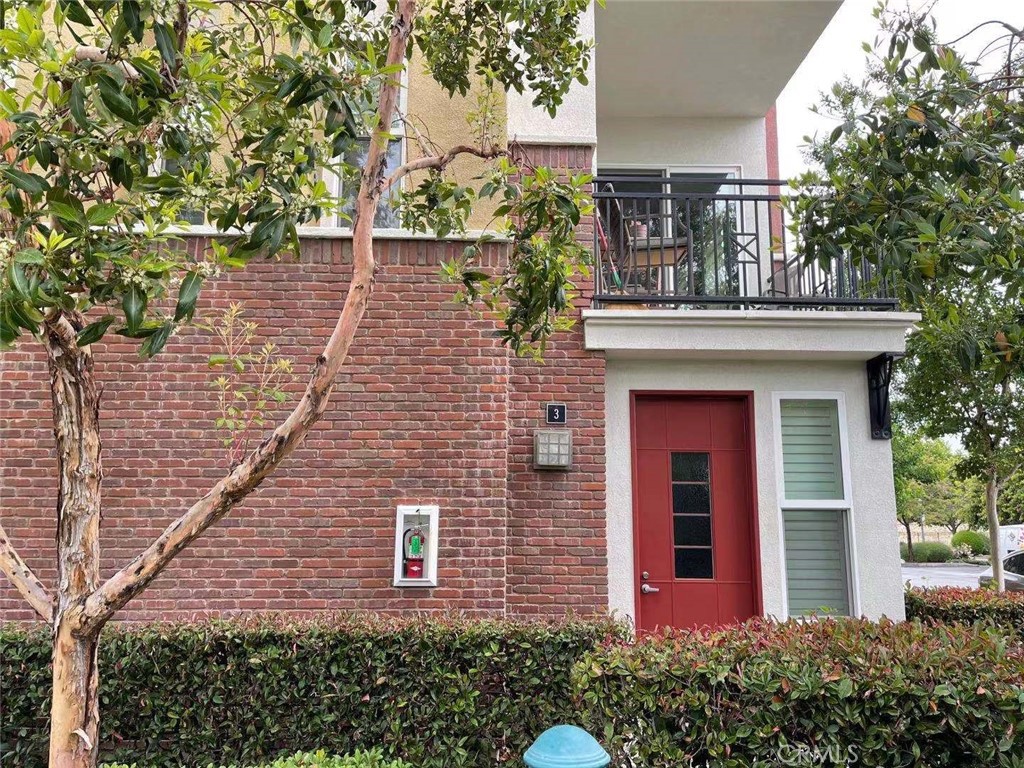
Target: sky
838, 53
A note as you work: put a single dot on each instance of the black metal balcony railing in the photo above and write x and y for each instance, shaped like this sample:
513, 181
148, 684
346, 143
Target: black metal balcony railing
714, 243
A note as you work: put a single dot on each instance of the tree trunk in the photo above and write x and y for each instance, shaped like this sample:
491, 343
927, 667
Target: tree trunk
910, 541
74, 726
75, 713
992, 510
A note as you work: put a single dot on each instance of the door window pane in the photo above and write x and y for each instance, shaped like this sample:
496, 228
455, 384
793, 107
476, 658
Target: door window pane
691, 516
690, 467
693, 530
691, 499
694, 564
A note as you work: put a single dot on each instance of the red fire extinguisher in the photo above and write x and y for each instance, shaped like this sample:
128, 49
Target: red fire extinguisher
414, 546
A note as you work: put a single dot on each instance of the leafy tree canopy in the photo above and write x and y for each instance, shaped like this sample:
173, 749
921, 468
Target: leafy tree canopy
918, 462
950, 385
126, 115
923, 174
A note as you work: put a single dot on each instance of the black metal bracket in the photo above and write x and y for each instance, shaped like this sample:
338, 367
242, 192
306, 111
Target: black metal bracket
879, 380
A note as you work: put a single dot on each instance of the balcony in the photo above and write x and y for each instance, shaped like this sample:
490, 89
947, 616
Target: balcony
685, 241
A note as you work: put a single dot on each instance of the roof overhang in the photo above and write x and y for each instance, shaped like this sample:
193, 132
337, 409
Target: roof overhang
701, 58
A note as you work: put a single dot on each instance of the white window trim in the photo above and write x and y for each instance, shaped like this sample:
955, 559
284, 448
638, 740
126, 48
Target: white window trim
844, 506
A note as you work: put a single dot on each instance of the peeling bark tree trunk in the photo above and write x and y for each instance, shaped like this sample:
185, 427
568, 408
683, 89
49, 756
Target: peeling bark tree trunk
74, 733
992, 511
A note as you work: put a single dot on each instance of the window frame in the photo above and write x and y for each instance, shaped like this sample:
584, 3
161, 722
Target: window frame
710, 547
665, 172
843, 507
335, 181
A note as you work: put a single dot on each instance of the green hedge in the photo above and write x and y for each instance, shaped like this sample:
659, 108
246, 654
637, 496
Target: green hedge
436, 692
974, 541
359, 759
955, 605
927, 552
829, 692
443, 692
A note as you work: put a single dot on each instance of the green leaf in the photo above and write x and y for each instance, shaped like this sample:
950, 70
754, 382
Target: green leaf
166, 43
29, 256
156, 341
68, 214
115, 99
131, 12
101, 214
74, 11
18, 279
77, 102
187, 295
26, 182
121, 172
290, 85
134, 305
93, 332
893, 167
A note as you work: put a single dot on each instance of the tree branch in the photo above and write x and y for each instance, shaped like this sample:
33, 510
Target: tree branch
113, 594
24, 580
99, 55
440, 162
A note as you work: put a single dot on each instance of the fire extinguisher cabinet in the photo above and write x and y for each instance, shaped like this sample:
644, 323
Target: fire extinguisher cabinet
416, 545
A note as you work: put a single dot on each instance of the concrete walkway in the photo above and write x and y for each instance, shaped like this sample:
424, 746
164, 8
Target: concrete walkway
942, 575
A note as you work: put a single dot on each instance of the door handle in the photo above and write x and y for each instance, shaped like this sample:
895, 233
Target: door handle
647, 589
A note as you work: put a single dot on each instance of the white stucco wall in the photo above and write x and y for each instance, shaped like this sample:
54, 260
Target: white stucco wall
877, 590
664, 141
576, 122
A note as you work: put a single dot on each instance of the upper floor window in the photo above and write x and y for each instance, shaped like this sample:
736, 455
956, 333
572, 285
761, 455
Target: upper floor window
346, 187
190, 214
387, 216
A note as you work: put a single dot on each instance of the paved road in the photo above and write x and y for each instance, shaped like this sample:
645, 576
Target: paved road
942, 575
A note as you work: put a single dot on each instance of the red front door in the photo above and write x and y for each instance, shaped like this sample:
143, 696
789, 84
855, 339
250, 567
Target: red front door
694, 513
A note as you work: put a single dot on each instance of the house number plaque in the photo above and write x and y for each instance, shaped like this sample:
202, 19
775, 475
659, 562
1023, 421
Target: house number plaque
557, 413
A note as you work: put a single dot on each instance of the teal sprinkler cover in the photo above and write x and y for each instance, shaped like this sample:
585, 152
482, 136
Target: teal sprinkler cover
566, 746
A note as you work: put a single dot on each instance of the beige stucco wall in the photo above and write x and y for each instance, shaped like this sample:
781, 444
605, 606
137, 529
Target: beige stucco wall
727, 142
443, 120
878, 590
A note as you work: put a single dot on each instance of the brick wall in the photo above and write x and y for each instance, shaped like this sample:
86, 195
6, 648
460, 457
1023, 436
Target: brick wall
557, 554
429, 409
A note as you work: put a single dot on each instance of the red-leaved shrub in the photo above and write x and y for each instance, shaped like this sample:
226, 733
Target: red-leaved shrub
956, 605
829, 692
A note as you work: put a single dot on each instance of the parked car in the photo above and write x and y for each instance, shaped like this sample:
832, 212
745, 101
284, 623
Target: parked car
1013, 572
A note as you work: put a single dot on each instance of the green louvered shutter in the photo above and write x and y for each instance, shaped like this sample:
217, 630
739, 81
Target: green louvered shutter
816, 557
811, 460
